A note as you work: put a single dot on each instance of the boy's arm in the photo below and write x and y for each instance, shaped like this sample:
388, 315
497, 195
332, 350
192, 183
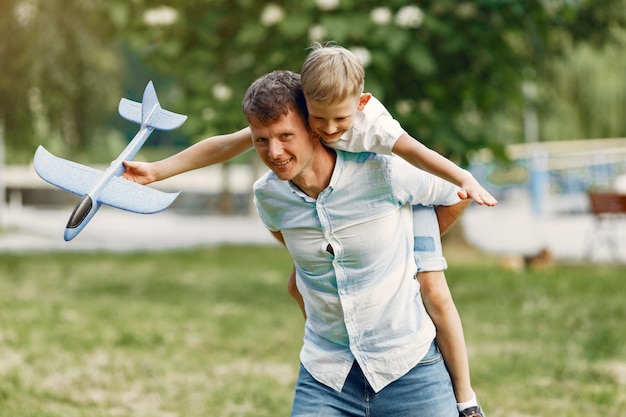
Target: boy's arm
424, 158
207, 152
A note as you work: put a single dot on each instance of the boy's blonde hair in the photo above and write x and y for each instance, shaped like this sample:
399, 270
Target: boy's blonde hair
331, 73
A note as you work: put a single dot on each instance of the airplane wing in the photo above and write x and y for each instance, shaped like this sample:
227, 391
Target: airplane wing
128, 195
68, 175
80, 179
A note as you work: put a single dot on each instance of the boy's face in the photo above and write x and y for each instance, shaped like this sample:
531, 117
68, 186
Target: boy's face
331, 121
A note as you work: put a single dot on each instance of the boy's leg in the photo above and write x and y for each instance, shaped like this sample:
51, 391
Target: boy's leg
438, 301
427, 240
440, 306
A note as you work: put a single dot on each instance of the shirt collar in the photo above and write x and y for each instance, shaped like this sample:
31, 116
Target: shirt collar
337, 171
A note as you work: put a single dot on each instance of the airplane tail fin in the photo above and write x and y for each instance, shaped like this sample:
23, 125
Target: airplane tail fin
149, 112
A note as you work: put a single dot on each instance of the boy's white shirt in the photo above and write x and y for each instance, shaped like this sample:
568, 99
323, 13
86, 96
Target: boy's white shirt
373, 130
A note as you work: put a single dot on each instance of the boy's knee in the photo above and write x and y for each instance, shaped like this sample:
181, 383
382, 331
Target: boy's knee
435, 289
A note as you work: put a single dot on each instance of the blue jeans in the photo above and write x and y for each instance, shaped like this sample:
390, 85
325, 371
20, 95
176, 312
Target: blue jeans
427, 240
425, 391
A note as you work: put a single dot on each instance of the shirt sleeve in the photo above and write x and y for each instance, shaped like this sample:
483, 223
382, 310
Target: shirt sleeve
414, 186
263, 209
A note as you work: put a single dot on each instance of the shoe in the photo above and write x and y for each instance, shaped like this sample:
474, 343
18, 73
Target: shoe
472, 412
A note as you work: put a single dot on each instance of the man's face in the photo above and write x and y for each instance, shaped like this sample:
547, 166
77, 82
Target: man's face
331, 121
286, 146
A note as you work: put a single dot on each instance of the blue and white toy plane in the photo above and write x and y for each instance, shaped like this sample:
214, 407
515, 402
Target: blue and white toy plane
109, 187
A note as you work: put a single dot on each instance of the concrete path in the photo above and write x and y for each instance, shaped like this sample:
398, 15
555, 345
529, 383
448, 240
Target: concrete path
507, 229
32, 229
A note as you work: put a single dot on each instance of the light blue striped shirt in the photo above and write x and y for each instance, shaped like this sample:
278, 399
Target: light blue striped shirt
353, 252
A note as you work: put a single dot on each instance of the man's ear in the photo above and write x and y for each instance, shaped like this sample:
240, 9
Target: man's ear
365, 97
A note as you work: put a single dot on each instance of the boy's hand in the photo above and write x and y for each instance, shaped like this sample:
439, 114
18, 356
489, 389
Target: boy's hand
139, 172
472, 189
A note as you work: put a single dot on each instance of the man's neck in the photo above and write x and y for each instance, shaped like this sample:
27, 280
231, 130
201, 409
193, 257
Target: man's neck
317, 178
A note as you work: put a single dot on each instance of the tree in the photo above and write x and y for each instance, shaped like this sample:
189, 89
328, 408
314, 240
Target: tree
57, 73
586, 88
450, 70
446, 68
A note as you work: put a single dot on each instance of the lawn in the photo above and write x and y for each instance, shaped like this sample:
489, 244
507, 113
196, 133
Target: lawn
212, 332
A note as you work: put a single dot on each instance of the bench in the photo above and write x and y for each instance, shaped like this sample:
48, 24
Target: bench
609, 209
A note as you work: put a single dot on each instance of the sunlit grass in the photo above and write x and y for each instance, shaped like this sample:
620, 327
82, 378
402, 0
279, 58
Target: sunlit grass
206, 332
548, 342
213, 332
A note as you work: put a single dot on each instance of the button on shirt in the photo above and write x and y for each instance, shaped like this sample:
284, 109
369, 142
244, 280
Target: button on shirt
361, 299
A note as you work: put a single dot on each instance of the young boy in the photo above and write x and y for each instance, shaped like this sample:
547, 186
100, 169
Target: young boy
346, 118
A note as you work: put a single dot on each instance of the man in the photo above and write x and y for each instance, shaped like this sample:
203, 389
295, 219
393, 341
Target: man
346, 220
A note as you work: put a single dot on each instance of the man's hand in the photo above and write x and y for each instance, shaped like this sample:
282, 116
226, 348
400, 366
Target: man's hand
448, 215
139, 172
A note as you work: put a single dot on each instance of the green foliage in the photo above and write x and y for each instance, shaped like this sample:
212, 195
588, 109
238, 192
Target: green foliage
58, 74
450, 71
587, 88
445, 69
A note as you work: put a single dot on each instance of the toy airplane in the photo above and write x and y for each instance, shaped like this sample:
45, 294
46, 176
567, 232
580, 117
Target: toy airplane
109, 187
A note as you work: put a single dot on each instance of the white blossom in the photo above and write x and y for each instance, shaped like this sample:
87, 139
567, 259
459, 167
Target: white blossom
363, 54
381, 15
327, 4
208, 113
409, 17
272, 14
425, 106
404, 107
317, 33
472, 117
24, 12
222, 92
160, 16
466, 10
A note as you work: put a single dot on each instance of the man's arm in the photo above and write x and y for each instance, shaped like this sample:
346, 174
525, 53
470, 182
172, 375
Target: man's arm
448, 215
292, 288
209, 151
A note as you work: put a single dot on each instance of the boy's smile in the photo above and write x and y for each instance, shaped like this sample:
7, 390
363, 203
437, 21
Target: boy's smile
331, 121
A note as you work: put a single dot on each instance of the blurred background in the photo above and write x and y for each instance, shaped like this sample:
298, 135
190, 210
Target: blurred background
528, 95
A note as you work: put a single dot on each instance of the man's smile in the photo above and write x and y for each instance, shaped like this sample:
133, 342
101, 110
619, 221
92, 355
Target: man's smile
281, 163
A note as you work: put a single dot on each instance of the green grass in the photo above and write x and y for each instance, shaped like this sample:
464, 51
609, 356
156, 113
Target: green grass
545, 343
212, 332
